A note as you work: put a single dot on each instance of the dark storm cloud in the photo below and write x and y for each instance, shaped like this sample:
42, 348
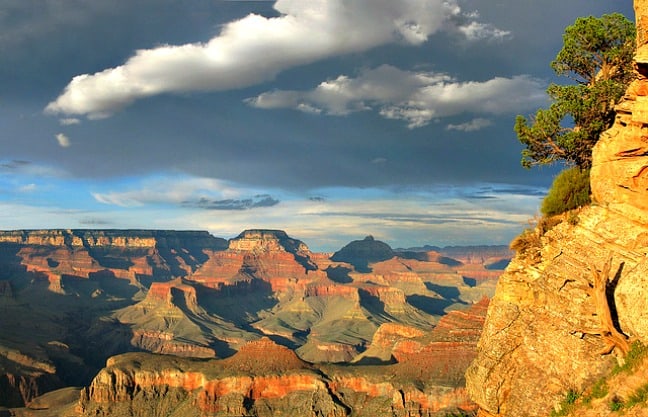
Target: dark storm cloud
258, 201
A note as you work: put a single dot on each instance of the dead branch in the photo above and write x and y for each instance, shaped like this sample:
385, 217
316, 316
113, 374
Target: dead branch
611, 336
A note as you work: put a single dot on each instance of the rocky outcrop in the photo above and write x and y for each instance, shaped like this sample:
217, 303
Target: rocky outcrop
22, 377
560, 318
542, 333
360, 253
262, 379
265, 240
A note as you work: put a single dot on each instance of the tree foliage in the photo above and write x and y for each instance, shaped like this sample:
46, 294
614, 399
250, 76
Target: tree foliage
597, 55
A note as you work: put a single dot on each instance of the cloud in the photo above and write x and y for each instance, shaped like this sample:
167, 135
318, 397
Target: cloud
14, 164
63, 140
471, 126
29, 169
415, 97
28, 188
187, 192
255, 49
258, 201
474, 31
174, 190
69, 121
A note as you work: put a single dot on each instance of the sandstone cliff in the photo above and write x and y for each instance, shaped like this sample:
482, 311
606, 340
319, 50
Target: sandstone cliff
560, 317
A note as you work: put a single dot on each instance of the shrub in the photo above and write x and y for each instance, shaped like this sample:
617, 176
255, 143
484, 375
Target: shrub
567, 405
600, 389
528, 240
640, 396
570, 190
616, 404
638, 351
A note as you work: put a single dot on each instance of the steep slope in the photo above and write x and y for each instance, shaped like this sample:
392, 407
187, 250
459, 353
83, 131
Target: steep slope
577, 292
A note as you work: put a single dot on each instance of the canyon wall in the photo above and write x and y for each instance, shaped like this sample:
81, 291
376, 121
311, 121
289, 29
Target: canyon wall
574, 297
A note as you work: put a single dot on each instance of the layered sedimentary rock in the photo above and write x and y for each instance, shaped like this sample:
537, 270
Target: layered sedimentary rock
568, 302
262, 379
127, 254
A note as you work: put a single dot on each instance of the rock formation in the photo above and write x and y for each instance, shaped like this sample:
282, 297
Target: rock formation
568, 303
70, 299
360, 253
262, 379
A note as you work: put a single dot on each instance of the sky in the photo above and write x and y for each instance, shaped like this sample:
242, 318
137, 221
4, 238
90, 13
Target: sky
329, 119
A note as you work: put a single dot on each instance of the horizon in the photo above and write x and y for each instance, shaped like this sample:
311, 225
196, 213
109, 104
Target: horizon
328, 120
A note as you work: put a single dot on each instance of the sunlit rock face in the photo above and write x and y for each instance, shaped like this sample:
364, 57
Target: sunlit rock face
619, 175
543, 332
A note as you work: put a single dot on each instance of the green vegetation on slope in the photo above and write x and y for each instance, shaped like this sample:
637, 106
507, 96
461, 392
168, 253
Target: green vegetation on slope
570, 190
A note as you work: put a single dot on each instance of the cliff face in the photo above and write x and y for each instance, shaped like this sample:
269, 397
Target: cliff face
558, 311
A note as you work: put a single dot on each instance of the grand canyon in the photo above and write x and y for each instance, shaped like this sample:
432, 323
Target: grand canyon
143, 323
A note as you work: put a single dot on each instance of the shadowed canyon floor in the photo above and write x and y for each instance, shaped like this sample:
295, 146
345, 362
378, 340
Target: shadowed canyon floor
248, 326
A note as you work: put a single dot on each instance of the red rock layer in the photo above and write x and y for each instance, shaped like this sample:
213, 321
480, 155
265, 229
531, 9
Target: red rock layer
136, 381
172, 293
264, 356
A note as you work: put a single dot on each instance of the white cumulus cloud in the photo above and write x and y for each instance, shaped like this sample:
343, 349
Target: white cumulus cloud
415, 97
255, 49
474, 31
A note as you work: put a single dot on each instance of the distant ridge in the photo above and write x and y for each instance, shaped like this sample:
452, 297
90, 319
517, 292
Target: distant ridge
112, 237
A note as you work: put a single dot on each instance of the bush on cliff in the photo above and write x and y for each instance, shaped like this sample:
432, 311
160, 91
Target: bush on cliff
570, 190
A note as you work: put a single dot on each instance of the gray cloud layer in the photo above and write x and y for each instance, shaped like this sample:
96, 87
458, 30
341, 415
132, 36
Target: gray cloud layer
415, 97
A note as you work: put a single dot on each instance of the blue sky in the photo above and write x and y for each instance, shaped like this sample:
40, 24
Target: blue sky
329, 119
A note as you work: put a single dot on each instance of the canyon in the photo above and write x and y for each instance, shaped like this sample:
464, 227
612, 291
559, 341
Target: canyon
162, 322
